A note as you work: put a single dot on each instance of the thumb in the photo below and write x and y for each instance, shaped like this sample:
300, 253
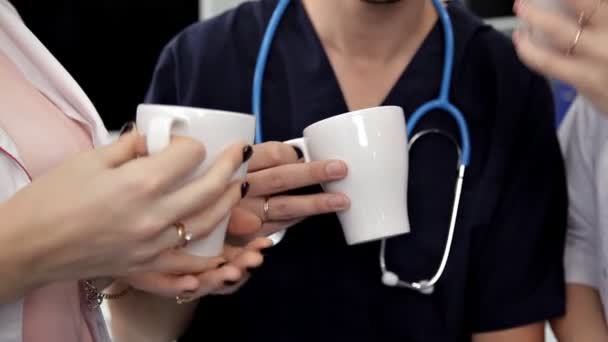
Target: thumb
128, 147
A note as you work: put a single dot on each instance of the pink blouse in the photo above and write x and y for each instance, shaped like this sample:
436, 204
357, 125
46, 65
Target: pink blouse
44, 137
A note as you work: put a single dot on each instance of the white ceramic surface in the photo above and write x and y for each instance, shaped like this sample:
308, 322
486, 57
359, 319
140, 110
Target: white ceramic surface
373, 144
217, 130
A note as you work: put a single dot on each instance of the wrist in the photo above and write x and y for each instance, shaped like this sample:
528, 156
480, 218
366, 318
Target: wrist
20, 271
143, 316
43, 255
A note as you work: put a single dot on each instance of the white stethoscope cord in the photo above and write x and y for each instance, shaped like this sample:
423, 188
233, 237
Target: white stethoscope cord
390, 278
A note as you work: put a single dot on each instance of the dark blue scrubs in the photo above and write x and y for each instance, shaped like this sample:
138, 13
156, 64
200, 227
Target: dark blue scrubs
505, 269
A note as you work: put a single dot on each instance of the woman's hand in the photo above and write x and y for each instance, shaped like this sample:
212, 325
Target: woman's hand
144, 316
581, 62
275, 169
107, 212
221, 275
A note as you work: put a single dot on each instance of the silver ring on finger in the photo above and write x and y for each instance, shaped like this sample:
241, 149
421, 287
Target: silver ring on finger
184, 236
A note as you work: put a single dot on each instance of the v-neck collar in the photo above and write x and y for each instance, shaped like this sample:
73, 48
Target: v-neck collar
421, 53
424, 54
300, 69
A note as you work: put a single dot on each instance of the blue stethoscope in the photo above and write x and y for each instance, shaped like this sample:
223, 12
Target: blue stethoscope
442, 102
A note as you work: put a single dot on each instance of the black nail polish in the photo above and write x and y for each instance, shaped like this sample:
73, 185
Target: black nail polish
247, 153
127, 127
244, 189
230, 283
299, 153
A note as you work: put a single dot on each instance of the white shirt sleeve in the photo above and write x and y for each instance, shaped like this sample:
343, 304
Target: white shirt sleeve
576, 138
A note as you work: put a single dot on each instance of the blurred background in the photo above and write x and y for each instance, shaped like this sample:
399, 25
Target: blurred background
111, 46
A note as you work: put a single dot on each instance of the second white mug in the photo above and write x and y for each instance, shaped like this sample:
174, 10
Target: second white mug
373, 143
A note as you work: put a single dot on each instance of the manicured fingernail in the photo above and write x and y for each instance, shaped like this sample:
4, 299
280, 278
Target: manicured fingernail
338, 202
127, 127
185, 297
335, 170
299, 153
230, 283
244, 189
247, 153
267, 244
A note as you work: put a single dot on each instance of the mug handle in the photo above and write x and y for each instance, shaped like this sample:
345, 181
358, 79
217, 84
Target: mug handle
300, 143
159, 132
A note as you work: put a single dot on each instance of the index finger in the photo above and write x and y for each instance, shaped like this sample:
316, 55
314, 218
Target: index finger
271, 154
211, 185
169, 166
549, 62
594, 11
557, 28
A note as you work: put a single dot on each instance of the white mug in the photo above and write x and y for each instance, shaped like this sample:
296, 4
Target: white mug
373, 143
217, 130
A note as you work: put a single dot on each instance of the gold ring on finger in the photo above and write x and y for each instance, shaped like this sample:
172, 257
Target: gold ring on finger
577, 39
184, 236
265, 209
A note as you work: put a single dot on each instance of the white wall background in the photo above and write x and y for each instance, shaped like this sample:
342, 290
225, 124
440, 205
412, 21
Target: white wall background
210, 8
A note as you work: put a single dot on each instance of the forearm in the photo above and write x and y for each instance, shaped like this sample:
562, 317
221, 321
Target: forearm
13, 284
584, 320
17, 256
142, 317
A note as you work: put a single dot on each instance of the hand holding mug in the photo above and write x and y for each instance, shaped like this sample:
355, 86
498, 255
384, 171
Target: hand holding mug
371, 201
274, 169
572, 46
165, 317
108, 213
217, 275
217, 130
